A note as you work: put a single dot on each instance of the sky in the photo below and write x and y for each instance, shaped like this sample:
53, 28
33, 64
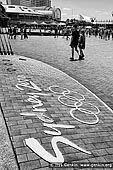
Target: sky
99, 9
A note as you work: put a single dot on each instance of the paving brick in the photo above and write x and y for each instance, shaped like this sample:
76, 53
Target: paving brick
18, 144
23, 150
32, 156
70, 150
31, 125
14, 132
88, 140
44, 163
90, 147
78, 136
100, 152
22, 158
110, 144
20, 137
111, 137
18, 118
24, 121
108, 158
28, 131
94, 160
18, 127
11, 123
31, 165
66, 118
100, 159
101, 145
104, 133
109, 150
38, 135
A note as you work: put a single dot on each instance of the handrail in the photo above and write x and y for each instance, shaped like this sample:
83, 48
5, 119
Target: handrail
5, 46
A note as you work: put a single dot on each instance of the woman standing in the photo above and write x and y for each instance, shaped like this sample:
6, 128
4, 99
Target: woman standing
81, 44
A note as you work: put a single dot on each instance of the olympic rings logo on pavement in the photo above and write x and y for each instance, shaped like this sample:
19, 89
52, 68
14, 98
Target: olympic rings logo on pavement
77, 102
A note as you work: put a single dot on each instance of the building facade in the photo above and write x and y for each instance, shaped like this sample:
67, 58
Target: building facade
19, 14
25, 2
14, 2
29, 3
39, 3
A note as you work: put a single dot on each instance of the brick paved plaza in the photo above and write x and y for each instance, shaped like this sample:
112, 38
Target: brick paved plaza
43, 103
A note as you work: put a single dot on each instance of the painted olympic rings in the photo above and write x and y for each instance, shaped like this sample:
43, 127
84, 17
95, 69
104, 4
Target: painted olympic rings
55, 88
76, 101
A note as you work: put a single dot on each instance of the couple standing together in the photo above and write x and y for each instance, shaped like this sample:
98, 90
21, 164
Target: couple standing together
77, 41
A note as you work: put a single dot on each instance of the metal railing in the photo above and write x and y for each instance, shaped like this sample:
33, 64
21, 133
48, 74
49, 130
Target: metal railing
5, 45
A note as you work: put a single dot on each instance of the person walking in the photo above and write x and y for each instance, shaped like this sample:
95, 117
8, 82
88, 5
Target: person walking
10, 32
21, 32
81, 44
112, 34
56, 32
15, 32
74, 41
25, 33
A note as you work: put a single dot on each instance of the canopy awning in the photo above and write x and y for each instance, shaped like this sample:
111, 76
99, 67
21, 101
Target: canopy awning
43, 23
34, 23
53, 23
62, 24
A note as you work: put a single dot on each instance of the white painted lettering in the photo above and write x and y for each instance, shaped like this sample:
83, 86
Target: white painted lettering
53, 126
39, 150
30, 85
39, 115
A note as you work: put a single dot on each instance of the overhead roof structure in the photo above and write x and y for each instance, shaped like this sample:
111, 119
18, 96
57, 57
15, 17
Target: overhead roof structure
25, 10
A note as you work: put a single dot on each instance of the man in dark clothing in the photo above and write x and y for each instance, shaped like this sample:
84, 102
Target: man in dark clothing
25, 33
15, 32
56, 32
74, 41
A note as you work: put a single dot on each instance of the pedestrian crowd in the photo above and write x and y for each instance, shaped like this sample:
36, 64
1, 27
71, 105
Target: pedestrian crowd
13, 31
102, 33
76, 34
79, 35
